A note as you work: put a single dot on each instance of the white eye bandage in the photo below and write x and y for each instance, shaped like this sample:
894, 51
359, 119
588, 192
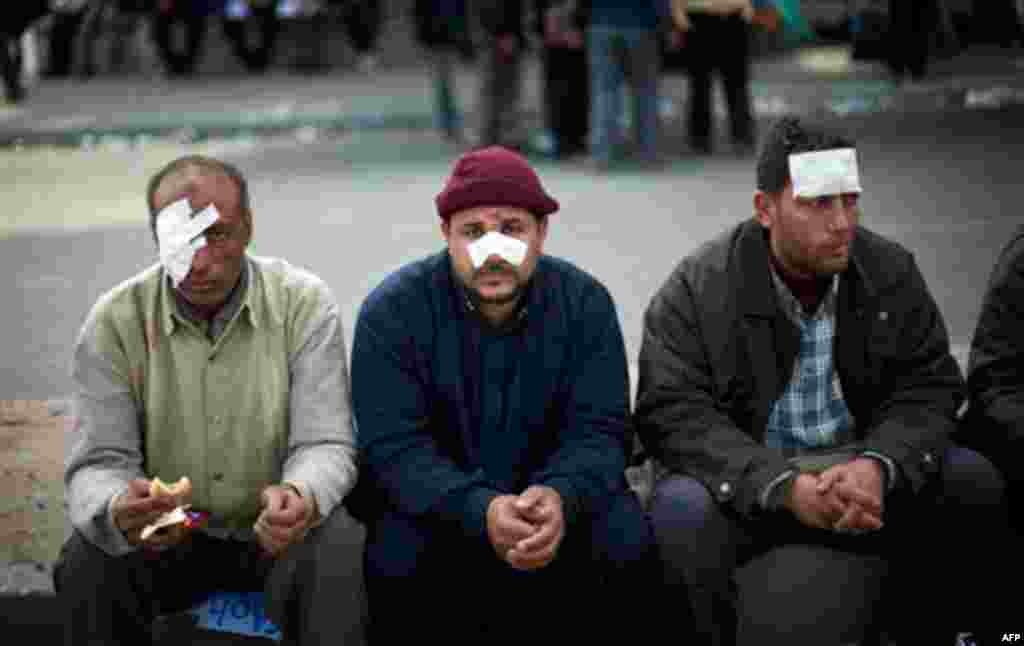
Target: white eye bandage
180, 237
824, 172
496, 244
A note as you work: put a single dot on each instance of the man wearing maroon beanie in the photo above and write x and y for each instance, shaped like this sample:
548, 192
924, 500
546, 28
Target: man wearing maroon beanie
491, 394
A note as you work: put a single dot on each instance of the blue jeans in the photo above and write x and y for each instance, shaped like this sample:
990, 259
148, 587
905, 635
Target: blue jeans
615, 54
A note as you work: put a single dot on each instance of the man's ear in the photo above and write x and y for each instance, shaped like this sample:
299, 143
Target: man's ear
764, 209
446, 229
248, 227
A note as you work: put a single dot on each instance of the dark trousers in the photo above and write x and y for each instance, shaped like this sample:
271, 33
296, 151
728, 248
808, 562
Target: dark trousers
443, 584
264, 21
567, 98
178, 62
500, 94
66, 26
362, 21
314, 592
719, 44
910, 26
10, 66
774, 581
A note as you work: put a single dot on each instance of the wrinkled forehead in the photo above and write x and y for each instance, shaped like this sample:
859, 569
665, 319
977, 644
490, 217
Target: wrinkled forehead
201, 186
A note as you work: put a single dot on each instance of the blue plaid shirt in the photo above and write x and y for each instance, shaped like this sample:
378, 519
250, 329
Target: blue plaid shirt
811, 414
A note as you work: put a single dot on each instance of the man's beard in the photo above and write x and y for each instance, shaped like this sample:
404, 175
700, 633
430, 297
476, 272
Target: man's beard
503, 299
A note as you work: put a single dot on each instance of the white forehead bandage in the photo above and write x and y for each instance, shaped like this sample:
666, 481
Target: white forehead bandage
496, 244
824, 172
179, 235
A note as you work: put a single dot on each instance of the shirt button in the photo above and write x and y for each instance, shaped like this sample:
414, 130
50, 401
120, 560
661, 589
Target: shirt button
725, 488
218, 477
928, 458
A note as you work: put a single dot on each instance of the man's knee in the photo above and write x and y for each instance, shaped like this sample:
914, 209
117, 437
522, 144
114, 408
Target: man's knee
681, 504
82, 565
693, 535
807, 594
971, 481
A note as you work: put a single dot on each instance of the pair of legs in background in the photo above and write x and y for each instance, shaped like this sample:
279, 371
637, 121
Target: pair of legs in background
616, 54
719, 44
923, 577
314, 592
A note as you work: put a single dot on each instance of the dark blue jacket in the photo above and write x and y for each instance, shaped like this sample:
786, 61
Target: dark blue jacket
415, 372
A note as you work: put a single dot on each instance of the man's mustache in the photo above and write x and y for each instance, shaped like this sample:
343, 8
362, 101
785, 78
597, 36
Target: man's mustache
495, 268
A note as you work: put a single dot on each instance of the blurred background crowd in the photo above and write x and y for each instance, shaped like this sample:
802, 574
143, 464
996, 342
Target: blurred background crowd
591, 51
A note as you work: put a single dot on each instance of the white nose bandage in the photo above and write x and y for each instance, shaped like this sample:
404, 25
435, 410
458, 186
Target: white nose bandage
496, 244
180, 236
824, 172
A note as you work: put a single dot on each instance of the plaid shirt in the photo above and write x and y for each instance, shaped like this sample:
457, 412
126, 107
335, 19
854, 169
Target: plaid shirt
811, 414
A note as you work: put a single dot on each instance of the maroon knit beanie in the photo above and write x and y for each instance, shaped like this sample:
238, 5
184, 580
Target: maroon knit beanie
493, 176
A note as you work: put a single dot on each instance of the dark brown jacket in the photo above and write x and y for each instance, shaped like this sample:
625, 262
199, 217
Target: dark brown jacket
995, 423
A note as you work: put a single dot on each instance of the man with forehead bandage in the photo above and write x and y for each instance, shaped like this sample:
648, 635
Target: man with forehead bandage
490, 388
797, 393
227, 370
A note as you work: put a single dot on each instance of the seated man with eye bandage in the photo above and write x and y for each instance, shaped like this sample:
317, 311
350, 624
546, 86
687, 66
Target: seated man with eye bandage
797, 390
491, 393
224, 374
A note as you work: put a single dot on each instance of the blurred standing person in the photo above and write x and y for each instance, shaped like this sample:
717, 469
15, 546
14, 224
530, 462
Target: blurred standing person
910, 26
68, 17
15, 18
187, 15
362, 20
243, 17
717, 39
501, 72
622, 42
443, 30
560, 26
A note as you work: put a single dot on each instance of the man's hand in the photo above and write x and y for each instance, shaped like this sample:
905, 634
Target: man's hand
285, 518
810, 506
541, 507
136, 508
506, 526
857, 484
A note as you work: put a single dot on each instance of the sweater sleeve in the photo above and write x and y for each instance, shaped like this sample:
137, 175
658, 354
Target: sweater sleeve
392, 411
106, 449
590, 462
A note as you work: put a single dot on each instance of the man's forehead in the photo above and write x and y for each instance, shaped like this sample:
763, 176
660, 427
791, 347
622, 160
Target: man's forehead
200, 186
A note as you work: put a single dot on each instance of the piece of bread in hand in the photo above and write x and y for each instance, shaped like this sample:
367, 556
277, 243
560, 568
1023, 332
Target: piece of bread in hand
181, 488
